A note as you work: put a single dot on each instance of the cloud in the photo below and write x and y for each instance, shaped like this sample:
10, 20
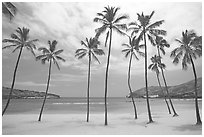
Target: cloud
71, 22
68, 78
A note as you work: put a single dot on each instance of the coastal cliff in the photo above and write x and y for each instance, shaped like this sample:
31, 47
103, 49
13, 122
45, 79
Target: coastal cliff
185, 90
26, 94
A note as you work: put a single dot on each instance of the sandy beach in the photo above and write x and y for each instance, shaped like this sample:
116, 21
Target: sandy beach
119, 124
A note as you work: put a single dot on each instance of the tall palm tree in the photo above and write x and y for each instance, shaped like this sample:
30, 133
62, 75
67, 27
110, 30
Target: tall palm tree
190, 47
91, 50
146, 29
156, 64
50, 55
132, 49
9, 9
161, 44
110, 21
19, 40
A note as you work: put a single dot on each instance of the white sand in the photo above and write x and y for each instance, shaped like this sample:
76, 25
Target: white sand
71, 124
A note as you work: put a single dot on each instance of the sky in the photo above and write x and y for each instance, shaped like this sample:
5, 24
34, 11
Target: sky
71, 22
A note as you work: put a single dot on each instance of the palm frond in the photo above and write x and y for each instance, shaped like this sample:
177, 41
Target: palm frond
11, 41
127, 53
150, 66
55, 62
52, 45
94, 56
96, 19
44, 60
98, 51
173, 53
100, 14
126, 45
118, 30
39, 57
80, 50
44, 50
9, 9
31, 50
156, 24
100, 30
121, 18
179, 41
162, 50
132, 24
141, 53
151, 40
60, 58
162, 65
79, 56
135, 55
158, 32
9, 46
125, 50
14, 36
185, 60
177, 57
150, 16
58, 52
121, 26
18, 47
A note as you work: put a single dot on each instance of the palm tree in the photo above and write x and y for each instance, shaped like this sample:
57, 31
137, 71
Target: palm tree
132, 49
156, 64
50, 55
161, 44
9, 9
145, 29
190, 48
19, 40
91, 48
110, 21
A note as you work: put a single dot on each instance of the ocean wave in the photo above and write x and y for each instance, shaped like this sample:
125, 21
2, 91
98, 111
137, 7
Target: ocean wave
80, 103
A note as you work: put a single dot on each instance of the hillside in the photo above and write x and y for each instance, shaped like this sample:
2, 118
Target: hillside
185, 90
18, 94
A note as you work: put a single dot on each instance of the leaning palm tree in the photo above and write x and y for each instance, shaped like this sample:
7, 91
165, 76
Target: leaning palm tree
50, 55
19, 40
132, 49
161, 44
146, 29
9, 9
110, 21
190, 48
91, 50
156, 64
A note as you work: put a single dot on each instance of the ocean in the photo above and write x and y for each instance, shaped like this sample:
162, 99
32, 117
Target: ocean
77, 105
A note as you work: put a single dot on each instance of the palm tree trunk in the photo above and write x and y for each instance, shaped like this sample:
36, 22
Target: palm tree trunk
88, 87
13, 82
199, 122
146, 82
48, 82
175, 114
163, 94
106, 79
135, 110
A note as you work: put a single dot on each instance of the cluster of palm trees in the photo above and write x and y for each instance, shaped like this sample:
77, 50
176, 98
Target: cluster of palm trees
190, 47
19, 41
140, 30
